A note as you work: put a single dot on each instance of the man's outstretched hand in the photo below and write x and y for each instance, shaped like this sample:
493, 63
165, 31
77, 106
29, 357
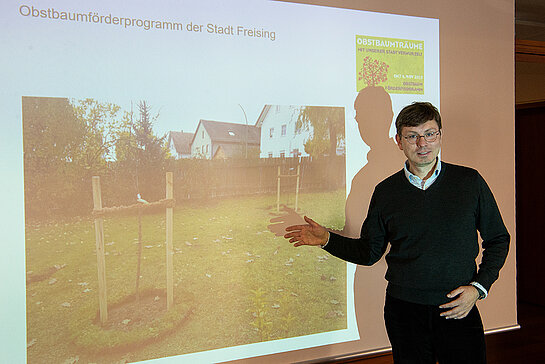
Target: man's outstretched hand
310, 234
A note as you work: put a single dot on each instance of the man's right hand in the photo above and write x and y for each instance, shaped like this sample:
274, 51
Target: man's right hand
310, 234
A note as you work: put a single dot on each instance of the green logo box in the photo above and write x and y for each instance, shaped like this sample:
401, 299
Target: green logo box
395, 64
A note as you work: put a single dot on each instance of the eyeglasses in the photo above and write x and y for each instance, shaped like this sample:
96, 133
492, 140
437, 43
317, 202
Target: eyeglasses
429, 136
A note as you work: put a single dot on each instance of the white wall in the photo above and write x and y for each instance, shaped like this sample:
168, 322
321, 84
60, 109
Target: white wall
275, 142
200, 144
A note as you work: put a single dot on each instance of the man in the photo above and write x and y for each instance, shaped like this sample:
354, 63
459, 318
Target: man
429, 213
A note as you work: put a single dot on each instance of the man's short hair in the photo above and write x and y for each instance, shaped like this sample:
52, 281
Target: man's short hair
417, 114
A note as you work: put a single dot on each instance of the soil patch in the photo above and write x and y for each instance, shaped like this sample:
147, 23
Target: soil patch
132, 313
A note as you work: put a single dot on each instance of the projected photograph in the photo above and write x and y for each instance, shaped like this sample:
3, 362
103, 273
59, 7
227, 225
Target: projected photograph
142, 244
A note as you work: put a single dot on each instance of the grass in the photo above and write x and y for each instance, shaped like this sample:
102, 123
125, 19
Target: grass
245, 284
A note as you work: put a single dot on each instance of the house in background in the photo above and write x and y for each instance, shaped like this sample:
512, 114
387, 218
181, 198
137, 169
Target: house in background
222, 140
179, 144
279, 137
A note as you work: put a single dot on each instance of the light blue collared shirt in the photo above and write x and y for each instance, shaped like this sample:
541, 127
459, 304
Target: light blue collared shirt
422, 183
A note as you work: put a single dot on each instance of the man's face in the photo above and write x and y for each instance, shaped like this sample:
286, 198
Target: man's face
422, 154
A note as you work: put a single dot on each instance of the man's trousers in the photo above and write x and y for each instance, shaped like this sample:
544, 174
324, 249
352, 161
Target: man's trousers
418, 334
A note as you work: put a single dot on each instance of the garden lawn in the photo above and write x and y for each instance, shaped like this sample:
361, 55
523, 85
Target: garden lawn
240, 283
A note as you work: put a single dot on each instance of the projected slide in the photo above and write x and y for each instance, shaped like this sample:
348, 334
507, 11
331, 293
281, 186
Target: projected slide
165, 147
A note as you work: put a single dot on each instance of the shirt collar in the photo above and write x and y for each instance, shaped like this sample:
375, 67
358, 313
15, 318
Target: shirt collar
417, 181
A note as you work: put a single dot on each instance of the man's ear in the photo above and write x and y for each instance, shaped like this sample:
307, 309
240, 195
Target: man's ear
398, 141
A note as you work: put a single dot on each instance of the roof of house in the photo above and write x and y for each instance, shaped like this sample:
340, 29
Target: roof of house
222, 132
181, 141
262, 115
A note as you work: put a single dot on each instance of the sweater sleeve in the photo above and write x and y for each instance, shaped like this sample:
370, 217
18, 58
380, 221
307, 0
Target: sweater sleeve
494, 234
369, 247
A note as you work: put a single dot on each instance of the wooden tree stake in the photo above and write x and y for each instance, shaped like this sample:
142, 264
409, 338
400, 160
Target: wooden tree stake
169, 248
278, 192
297, 186
101, 261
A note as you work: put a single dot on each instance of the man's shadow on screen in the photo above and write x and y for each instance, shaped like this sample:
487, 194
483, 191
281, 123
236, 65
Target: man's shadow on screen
374, 115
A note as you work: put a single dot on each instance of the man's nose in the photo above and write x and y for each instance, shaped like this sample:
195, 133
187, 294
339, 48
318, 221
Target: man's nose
421, 141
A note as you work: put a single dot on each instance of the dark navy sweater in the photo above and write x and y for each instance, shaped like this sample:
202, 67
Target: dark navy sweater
432, 235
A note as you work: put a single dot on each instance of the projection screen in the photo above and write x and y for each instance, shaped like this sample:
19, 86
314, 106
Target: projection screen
160, 149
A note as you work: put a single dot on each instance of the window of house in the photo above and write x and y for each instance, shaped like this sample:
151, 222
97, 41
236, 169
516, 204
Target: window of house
282, 154
202, 133
270, 155
295, 152
284, 129
271, 132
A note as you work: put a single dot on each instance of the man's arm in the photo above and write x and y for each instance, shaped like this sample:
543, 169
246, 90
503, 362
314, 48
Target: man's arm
495, 248
494, 235
366, 250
